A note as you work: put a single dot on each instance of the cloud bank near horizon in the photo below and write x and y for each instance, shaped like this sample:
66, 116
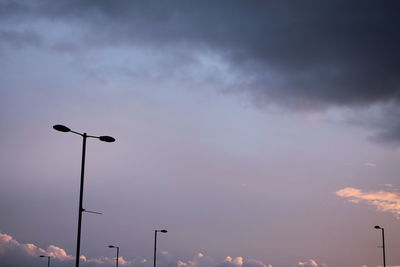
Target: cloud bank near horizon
14, 253
299, 56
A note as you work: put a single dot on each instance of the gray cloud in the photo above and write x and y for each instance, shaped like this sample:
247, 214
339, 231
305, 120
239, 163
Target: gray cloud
300, 55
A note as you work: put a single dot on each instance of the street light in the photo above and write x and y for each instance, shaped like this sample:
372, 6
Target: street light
155, 243
48, 259
383, 243
107, 139
111, 246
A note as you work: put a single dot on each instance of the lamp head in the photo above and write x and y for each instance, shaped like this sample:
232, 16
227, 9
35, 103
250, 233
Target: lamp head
107, 139
111, 246
42, 256
163, 231
61, 128
377, 227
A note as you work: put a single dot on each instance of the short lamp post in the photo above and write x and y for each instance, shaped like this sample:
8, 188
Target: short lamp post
111, 246
107, 139
383, 243
155, 243
48, 259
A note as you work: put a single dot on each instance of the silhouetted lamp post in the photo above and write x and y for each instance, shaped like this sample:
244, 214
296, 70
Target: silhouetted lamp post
155, 243
107, 139
111, 246
48, 259
383, 243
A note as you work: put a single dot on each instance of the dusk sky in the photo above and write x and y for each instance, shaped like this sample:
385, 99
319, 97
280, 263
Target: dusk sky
258, 133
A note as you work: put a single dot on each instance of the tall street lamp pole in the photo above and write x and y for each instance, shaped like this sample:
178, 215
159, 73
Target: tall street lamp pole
48, 259
111, 246
107, 139
155, 243
383, 243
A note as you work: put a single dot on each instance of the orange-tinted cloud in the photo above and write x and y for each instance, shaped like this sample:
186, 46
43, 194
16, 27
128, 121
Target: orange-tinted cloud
382, 200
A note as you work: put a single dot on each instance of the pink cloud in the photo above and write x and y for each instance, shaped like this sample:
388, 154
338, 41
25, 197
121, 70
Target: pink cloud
382, 200
310, 263
24, 254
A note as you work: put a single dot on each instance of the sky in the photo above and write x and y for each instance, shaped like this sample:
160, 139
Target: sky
258, 133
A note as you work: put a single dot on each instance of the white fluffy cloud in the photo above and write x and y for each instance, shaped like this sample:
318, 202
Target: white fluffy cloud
14, 253
382, 200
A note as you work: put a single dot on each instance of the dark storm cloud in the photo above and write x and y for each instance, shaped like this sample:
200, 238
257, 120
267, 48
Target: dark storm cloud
302, 55
388, 125
19, 39
11, 13
12, 8
327, 53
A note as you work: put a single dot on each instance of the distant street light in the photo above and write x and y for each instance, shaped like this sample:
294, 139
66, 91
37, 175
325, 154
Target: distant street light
48, 259
111, 246
383, 243
107, 139
155, 243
